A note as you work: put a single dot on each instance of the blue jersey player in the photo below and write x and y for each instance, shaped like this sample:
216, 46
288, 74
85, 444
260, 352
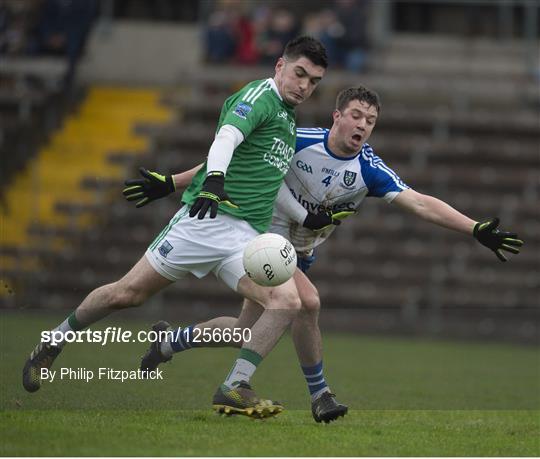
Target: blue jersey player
331, 173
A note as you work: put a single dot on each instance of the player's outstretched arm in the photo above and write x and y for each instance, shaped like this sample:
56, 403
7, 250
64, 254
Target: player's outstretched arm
154, 186
149, 188
287, 204
436, 211
324, 219
184, 179
490, 236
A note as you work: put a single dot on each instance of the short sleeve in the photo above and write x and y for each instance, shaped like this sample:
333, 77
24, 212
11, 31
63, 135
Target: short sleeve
381, 181
246, 112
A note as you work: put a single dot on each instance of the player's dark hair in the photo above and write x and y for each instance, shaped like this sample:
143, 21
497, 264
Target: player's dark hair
309, 47
360, 93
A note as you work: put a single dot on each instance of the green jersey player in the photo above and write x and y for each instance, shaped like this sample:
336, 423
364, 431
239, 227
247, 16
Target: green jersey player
235, 190
332, 172
253, 107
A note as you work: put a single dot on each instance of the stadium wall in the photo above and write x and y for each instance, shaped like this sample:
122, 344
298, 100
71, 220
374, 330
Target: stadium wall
140, 52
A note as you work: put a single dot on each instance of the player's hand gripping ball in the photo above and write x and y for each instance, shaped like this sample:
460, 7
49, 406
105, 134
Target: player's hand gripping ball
269, 260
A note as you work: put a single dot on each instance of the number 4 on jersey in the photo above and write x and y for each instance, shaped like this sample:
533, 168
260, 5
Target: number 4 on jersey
326, 181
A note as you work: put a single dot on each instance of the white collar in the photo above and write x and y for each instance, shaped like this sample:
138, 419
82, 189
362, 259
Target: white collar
274, 87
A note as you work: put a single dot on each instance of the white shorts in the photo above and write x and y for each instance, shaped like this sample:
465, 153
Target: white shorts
189, 245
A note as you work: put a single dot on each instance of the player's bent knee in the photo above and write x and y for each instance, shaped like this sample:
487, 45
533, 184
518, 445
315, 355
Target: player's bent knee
311, 302
125, 296
290, 301
296, 304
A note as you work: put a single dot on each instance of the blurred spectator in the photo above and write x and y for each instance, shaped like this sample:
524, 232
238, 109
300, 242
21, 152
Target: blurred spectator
244, 32
249, 32
62, 29
343, 31
326, 27
220, 37
16, 19
246, 48
230, 34
282, 28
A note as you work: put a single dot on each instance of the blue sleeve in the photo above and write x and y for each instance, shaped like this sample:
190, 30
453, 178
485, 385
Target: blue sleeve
379, 178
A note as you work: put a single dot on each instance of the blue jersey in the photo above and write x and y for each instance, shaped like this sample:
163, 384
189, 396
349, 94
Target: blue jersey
320, 180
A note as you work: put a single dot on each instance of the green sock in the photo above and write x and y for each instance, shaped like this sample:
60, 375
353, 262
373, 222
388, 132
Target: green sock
74, 323
243, 368
70, 324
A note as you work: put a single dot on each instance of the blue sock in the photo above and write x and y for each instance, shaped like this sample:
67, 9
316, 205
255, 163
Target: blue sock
183, 339
315, 380
180, 339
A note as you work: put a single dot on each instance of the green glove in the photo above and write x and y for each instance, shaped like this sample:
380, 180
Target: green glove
342, 215
487, 234
153, 186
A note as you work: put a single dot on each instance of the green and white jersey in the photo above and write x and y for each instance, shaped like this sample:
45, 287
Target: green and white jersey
261, 161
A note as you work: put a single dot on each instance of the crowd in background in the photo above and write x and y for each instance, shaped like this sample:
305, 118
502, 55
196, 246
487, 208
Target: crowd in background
250, 33
235, 31
57, 27
46, 27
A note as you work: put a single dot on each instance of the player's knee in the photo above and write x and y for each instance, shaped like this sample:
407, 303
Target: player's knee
289, 301
311, 302
126, 296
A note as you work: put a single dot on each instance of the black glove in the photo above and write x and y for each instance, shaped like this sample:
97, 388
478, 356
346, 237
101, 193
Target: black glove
487, 234
153, 186
322, 220
211, 195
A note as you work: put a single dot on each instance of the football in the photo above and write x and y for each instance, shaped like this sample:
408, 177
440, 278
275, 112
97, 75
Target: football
269, 260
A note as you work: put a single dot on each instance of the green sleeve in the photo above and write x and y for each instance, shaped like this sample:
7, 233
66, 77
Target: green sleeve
245, 116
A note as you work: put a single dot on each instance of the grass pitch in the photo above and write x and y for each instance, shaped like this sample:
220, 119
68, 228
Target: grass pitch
406, 397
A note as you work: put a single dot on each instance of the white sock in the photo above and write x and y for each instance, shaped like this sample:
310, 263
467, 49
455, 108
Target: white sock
165, 347
242, 371
63, 327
